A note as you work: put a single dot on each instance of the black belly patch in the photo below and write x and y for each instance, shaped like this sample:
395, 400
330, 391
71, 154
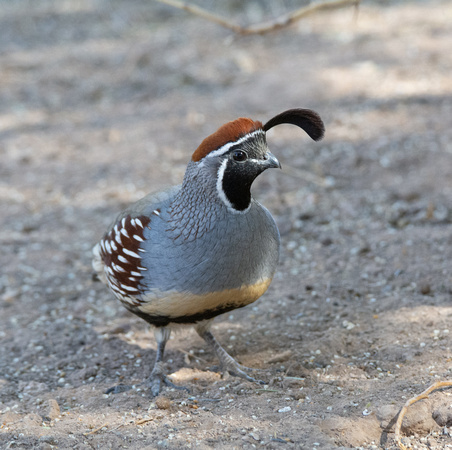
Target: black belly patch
163, 321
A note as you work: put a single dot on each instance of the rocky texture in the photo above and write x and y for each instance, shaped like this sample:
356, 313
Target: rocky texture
102, 102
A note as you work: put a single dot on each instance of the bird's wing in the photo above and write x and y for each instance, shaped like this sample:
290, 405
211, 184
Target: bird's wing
117, 256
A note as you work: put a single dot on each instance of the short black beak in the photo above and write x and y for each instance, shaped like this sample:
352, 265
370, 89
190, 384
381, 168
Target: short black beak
270, 161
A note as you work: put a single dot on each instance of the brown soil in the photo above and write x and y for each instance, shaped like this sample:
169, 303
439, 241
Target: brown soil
104, 101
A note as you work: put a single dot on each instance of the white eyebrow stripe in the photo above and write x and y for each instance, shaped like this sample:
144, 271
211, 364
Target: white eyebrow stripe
226, 147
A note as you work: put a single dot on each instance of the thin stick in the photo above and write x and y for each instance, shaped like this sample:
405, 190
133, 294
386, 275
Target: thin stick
299, 14
196, 10
403, 411
141, 421
278, 23
96, 430
190, 355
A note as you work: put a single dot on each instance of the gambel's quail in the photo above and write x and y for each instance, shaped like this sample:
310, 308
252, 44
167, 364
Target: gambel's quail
188, 254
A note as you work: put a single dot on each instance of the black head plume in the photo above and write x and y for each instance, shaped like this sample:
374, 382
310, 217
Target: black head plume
306, 119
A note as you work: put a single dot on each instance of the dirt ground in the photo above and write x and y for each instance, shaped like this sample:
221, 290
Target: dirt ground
104, 101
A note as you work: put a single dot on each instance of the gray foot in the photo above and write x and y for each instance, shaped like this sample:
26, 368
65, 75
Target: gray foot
158, 377
237, 370
227, 362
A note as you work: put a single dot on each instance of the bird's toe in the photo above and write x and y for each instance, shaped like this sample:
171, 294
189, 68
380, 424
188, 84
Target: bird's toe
158, 377
241, 372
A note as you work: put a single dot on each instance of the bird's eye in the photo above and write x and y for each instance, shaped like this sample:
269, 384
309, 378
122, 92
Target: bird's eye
239, 156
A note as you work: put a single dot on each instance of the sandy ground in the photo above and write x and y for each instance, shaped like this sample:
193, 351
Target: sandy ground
103, 101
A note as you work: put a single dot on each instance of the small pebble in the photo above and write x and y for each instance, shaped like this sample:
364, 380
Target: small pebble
280, 357
53, 409
285, 409
255, 436
425, 288
163, 402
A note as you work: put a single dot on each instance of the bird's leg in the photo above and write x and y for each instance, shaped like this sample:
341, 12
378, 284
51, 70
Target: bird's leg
227, 362
158, 375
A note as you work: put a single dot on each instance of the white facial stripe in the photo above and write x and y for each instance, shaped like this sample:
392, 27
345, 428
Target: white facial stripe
221, 193
226, 147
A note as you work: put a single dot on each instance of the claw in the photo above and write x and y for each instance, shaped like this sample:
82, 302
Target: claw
237, 370
157, 377
236, 373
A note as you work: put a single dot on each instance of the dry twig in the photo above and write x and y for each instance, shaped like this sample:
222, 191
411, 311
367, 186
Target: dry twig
96, 430
276, 24
192, 356
425, 394
142, 421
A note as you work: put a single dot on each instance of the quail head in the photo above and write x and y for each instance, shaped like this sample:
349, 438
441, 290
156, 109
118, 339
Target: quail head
190, 253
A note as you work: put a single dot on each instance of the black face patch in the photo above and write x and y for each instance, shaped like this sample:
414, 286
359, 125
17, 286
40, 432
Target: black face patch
237, 181
239, 173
